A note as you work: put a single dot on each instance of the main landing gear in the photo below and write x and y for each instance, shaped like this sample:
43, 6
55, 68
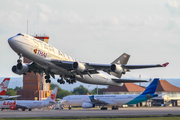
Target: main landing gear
47, 77
61, 81
114, 107
69, 80
104, 108
69, 107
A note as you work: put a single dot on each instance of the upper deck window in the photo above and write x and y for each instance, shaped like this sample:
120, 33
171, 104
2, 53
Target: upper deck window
20, 34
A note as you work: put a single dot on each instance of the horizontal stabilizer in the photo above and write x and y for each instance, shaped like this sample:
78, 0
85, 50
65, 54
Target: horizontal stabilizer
14, 96
127, 80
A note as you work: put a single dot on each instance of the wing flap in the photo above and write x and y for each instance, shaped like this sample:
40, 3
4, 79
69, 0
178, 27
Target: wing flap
64, 64
127, 80
99, 66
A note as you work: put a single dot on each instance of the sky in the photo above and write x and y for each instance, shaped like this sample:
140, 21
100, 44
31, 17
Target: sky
98, 31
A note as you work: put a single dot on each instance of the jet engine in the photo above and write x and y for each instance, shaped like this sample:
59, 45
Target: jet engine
88, 105
20, 68
148, 96
78, 66
13, 107
116, 68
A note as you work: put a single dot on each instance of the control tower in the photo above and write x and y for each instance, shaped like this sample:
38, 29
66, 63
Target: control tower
34, 85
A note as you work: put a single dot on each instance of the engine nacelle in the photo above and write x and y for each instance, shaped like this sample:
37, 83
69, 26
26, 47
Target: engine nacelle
13, 107
20, 68
87, 105
78, 66
116, 68
148, 96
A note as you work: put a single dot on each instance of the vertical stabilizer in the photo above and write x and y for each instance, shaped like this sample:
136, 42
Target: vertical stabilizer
4, 85
52, 96
147, 94
123, 59
152, 87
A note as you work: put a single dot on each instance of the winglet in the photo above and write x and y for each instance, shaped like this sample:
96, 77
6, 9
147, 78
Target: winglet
165, 64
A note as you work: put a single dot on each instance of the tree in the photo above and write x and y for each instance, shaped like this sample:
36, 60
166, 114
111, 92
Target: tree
100, 91
81, 90
11, 92
18, 88
61, 93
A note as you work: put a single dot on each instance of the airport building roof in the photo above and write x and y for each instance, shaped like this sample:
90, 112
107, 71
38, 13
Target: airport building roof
127, 87
163, 86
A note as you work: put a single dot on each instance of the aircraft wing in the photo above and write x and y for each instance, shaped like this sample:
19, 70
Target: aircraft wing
92, 68
127, 80
144, 66
96, 101
22, 106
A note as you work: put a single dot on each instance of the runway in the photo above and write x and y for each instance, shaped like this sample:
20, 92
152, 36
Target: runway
90, 112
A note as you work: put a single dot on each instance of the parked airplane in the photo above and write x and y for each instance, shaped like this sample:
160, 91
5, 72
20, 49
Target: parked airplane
29, 104
89, 101
47, 59
3, 88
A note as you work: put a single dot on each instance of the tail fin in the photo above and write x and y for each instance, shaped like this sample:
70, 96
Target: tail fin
147, 94
4, 85
152, 87
123, 59
52, 96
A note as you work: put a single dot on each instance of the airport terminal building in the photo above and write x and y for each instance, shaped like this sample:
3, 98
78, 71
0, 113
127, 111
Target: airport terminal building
169, 94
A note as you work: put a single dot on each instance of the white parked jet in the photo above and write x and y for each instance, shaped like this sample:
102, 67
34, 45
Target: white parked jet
90, 101
29, 104
49, 60
3, 88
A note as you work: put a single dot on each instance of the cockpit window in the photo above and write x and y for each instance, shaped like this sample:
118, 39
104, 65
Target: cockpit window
20, 34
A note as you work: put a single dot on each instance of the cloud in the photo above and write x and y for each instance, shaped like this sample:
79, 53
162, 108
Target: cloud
173, 7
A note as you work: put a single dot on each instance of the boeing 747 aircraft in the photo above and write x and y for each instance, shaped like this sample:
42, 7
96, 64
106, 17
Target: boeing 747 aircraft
49, 60
90, 101
29, 104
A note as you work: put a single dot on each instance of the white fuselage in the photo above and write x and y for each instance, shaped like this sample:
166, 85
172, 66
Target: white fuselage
112, 100
42, 54
30, 104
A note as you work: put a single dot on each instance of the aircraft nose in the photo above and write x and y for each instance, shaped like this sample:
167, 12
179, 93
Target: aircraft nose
11, 41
